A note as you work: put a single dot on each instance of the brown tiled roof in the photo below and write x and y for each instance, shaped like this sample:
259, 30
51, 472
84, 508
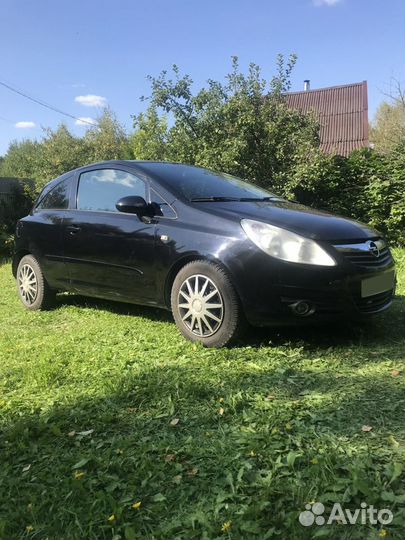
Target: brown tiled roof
342, 112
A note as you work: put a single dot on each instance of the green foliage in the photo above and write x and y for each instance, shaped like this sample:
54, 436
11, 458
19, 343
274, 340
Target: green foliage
149, 140
107, 140
10, 212
22, 160
385, 191
242, 126
6, 242
388, 128
366, 185
87, 425
59, 151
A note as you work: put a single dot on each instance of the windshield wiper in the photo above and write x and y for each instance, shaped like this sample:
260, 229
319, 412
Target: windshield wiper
215, 199
260, 199
235, 199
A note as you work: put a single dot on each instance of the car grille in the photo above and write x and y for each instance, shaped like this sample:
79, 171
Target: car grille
375, 302
361, 255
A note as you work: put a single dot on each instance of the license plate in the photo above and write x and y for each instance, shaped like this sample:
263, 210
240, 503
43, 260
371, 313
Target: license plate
377, 284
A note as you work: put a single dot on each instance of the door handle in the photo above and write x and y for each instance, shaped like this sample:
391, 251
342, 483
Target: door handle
73, 229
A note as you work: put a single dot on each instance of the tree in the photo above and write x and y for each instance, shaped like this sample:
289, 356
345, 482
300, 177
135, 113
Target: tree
106, 140
242, 126
149, 140
60, 151
21, 160
388, 128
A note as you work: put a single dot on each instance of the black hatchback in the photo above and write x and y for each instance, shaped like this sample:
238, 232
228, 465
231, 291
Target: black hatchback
216, 250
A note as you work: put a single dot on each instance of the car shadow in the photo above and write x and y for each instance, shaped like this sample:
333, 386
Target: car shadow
120, 308
385, 329
380, 330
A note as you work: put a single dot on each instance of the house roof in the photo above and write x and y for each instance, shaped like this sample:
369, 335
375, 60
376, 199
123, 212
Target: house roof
342, 112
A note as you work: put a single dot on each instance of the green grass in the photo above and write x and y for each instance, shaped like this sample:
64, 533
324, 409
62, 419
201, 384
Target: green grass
89, 396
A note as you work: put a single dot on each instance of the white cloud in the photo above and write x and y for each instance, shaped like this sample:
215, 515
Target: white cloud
330, 3
25, 125
90, 100
85, 121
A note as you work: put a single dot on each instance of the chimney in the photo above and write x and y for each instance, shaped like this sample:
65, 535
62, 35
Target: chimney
306, 85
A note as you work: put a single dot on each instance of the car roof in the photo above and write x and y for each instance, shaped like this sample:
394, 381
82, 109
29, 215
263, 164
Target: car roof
140, 165
132, 162
123, 162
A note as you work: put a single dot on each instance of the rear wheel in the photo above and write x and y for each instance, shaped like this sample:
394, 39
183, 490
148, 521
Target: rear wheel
32, 287
205, 305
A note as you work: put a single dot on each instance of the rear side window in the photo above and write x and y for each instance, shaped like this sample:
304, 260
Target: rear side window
100, 190
57, 198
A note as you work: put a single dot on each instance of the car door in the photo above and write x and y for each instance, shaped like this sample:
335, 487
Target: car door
45, 231
110, 254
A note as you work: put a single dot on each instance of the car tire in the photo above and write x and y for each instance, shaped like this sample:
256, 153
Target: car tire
33, 289
205, 305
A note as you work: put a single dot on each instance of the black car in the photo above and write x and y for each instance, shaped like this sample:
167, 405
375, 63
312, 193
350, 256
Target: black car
214, 249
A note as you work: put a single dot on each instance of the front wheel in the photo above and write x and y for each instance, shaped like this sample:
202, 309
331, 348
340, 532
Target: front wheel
205, 305
32, 287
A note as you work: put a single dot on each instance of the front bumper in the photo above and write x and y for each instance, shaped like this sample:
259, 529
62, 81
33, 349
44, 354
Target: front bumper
271, 290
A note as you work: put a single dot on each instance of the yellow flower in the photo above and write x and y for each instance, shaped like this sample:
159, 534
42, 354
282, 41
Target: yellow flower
111, 519
288, 426
221, 399
226, 526
137, 505
29, 528
29, 506
252, 453
383, 533
314, 461
275, 430
79, 475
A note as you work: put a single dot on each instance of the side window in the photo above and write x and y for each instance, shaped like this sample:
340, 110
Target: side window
162, 207
100, 190
57, 198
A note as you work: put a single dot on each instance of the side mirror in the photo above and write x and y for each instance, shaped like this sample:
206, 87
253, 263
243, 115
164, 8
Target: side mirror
132, 204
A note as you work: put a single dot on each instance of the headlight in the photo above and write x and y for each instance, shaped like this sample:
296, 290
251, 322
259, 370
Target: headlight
285, 245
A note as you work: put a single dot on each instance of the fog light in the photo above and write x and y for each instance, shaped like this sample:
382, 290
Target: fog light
302, 308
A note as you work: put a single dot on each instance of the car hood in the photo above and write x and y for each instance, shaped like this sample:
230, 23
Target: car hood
294, 217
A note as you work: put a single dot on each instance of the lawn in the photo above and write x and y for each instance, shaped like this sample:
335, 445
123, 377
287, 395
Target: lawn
113, 426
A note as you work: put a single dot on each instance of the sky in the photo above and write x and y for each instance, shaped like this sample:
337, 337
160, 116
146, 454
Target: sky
81, 55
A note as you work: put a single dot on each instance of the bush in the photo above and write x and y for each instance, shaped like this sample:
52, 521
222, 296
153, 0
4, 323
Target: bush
366, 185
6, 243
385, 193
60, 151
11, 213
241, 126
245, 128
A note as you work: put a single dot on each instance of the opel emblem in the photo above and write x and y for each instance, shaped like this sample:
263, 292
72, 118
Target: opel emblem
373, 249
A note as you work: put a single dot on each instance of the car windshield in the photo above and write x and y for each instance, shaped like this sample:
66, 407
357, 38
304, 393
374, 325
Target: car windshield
202, 185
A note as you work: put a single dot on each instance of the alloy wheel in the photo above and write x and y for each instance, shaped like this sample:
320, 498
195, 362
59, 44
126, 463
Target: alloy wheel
200, 305
27, 284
